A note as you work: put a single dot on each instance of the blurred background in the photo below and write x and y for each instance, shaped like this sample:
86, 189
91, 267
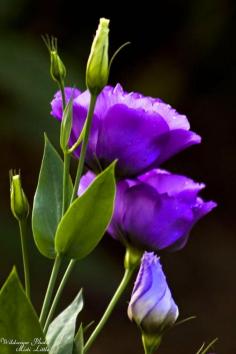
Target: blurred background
183, 52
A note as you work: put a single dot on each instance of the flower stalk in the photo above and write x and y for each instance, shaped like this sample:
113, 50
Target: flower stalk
49, 292
130, 268
23, 236
84, 146
58, 294
66, 176
123, 285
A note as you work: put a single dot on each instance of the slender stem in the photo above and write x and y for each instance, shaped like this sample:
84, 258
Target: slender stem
58, 293
124, 282
51, 284
66, 176
84, 146
66, 165
23, 233
62, 89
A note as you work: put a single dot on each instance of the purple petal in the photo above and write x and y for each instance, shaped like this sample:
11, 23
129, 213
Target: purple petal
202, 208
85, 181
158, 210
174, 142
172, 184
141, 132
127, 135
115, 228
56, 103
153, 221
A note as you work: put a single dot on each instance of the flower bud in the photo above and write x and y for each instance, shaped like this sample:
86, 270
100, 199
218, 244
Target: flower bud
57, 68
97, 71
19, 202
66, 125
152, 306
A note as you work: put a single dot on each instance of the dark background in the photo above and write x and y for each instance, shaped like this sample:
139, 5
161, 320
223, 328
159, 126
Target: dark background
181, 51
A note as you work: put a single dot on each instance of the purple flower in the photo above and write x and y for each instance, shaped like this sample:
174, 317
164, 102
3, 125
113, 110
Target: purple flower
152, 306
156, 210
141, 132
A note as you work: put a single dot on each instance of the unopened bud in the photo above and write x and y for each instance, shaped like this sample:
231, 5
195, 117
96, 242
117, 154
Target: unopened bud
57, 68
19, 202
152, 306
66, 125
97, 71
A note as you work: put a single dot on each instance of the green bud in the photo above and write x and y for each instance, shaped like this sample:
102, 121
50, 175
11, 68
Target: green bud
18, 200
97, 71
57, 68
66, 125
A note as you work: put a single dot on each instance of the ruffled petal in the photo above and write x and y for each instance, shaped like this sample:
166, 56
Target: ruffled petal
172, 184
141, 132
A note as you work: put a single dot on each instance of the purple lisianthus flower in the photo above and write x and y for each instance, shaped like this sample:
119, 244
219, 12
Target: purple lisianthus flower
141, 132
156, 210
151, 305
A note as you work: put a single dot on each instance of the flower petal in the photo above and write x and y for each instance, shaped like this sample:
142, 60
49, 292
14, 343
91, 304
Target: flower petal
128, 135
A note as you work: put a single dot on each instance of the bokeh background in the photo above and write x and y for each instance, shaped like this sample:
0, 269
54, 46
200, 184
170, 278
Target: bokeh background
182, 51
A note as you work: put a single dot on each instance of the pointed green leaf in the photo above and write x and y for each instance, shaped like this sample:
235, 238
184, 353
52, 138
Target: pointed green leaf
86, 220
47, 206
18, 320
61, 332
79, 341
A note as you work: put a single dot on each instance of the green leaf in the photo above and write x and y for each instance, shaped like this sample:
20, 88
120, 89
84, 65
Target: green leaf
61, 332
47, 206
86, 220
18, 320
79, 341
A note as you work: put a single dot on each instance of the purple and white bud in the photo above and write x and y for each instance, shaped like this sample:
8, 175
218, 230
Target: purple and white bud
152, 306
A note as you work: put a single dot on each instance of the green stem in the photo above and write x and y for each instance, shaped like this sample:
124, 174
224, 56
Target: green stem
58, 293
62, 89
84, 146
124, 282
66, 165
23, 233
48, 296
66, 176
